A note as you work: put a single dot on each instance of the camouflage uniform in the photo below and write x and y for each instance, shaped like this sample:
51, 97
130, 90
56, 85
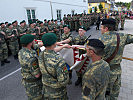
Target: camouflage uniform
43, 30
110, 41
117, 18
122, 21
67, 36
95, 81
54, 85
56, 31
33, 30
29, 64
3, 48
13, 41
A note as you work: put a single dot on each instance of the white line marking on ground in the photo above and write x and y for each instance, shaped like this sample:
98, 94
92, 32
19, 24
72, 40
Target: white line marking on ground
10, 74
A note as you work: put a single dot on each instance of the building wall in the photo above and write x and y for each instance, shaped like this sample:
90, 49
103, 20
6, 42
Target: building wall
16, 9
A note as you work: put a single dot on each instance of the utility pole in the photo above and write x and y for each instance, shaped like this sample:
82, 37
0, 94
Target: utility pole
51, 9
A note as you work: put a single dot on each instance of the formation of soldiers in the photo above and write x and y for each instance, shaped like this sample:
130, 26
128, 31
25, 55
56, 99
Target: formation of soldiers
45, 77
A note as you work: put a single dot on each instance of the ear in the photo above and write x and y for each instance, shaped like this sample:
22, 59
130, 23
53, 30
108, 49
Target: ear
91, 52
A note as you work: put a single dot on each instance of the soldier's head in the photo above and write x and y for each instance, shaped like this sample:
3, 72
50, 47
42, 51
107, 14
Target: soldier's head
49, 22
55, 21
52, 21
16, 22
66, 29
32, 24
22, 24
6, 23
27, 40
82, 30
108, 25
45, 20
10, 26
2, 25
64, 15
49, 40
41, 23
13, 23
94, 48
61, 21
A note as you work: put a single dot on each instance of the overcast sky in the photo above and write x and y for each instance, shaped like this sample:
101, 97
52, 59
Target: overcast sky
123, 0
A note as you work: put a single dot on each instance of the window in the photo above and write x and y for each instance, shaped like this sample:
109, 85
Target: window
73, 12
31, 14
58, 14
84, 0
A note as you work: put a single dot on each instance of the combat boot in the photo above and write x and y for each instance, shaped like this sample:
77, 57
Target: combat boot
79, 81
2, 63
6, 61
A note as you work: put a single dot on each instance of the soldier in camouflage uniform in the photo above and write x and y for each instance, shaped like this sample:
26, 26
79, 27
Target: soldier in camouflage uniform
3, 49
80, 40
11, 36
122, 21
117, 18
65, 19
2, 27
30, 68
54, 71
56, 30
114, 46
42, 29
96, 78
61, 27
50, 27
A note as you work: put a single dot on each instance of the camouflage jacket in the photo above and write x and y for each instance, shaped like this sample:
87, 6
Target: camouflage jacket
29, 63
79, 40
67, 36
22, 30
55, 84
110, 41
95, 81
2, 39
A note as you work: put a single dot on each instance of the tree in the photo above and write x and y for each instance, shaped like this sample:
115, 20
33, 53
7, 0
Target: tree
90, 10
100, 7
95, 9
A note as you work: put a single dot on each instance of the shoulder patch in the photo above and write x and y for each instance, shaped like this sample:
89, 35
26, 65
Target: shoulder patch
65, 69
35, 64
86, 91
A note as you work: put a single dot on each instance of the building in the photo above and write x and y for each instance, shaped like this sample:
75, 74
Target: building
40, 9
95, 3
131, 6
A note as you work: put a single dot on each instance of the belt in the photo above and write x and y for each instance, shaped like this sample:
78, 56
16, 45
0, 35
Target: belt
32, 80
115, 66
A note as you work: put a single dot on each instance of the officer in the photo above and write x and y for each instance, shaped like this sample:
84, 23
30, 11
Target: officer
30, 69
54, 71
3, 49
13, 40
96, 78
114, 46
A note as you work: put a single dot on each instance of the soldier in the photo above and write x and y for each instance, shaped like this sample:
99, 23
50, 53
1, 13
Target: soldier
80, 40
96, 78
6, 24
54, 71
50, 27
65, 19
114, 46
30, 68
98, 22
2, 27
45, 23
3, 49
61, 27
42, 29
11, 36
56, 30
122, 17
117, 18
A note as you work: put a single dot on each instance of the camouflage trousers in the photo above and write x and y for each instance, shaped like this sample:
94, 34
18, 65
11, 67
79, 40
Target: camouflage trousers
113, 89
14, 47
54, 93
3, 52
116, 26
122, 24
33, 90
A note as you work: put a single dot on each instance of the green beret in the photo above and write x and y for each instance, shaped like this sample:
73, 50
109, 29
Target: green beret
49, 39
45, 19
40, 22
95, 43
82, 27
9, 24
26, 39
66, 26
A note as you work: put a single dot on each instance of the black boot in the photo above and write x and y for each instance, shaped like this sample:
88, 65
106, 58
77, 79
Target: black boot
6, 61
79, 81
2, 63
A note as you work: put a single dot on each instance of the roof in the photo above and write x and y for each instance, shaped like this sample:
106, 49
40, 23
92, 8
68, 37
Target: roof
96, 1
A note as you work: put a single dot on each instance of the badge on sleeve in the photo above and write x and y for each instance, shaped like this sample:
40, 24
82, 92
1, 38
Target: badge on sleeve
35, 64
65, 69
86, 91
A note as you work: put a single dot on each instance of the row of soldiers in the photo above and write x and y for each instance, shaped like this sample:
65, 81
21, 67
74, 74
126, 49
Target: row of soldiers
77, 20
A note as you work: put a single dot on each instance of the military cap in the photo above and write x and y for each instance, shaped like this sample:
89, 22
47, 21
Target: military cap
13, 22
26, 39
82, 27
52, 20
40, 22
109, 21
60, 20
95, 43
6, 22
48, 20
45, 20
1, 24
49, 39
55, 20
9, 24
66, 26
21, 22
